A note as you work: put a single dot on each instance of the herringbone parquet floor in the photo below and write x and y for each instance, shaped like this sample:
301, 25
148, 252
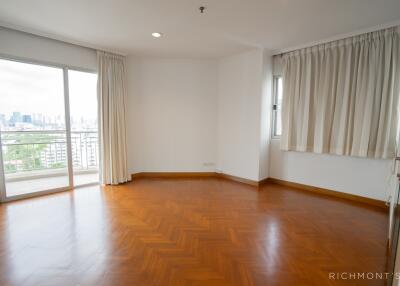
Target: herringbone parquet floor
189, 232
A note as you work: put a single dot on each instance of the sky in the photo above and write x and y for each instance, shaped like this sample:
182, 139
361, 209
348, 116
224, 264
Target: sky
29, 89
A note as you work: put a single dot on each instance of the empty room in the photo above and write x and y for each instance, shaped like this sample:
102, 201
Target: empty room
199, 142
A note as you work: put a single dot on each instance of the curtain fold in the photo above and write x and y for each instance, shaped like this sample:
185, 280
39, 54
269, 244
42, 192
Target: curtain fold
342, 97
112, 130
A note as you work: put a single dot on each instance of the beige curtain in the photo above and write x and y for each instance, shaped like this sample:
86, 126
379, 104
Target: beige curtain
112, 130
342, 97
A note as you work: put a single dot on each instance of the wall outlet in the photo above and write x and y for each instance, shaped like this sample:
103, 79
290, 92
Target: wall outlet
208, 164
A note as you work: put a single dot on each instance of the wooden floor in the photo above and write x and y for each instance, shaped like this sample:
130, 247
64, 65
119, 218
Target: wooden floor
189, 232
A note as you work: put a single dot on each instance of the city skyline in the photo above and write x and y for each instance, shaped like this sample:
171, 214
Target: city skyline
38, 121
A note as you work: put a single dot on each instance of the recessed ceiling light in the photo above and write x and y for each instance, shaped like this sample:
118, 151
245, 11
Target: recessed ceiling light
156, 35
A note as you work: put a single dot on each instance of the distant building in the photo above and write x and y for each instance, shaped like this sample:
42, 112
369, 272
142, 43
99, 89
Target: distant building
26, 118
37, 119
16, 117
3, 121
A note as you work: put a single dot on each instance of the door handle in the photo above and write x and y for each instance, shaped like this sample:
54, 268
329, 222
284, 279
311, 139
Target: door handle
397, 159
387, 203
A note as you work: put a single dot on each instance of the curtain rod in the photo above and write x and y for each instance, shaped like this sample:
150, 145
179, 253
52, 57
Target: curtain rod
338, 37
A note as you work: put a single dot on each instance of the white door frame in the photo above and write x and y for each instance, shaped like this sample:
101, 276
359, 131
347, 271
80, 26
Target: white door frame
68, 128
3, 195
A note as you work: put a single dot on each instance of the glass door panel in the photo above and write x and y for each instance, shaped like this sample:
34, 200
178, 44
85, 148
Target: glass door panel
84, 128
33, 129
393, 244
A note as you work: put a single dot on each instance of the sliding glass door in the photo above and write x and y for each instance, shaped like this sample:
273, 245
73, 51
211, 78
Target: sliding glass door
40, 152
83, 114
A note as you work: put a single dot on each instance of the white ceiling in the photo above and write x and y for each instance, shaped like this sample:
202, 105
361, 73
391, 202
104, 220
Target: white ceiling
226, 27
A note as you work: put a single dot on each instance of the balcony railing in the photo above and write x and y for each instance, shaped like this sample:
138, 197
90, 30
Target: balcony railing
29, 151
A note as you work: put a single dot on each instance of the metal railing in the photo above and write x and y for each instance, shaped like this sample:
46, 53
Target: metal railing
25, 151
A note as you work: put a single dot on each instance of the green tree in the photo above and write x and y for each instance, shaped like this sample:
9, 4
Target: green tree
23, 150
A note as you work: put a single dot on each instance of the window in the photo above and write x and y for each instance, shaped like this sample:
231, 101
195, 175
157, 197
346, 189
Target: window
42, 151
277, 107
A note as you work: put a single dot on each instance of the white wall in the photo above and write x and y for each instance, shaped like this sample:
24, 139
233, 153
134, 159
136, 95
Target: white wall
182, 113
240, 91
14, 44
358, 176
172, 109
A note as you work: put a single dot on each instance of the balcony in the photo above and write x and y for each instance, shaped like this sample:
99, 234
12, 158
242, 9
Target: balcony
37, 160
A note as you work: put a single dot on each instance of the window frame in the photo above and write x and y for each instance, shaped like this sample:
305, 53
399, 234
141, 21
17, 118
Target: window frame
65, 68
274, 107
